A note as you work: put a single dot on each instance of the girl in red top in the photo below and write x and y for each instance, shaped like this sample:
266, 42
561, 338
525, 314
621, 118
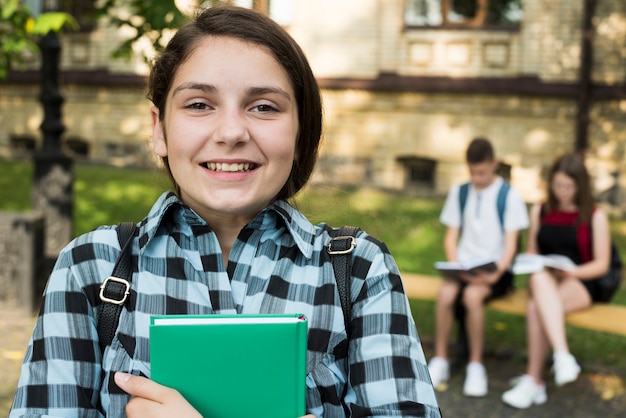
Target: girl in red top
569, 224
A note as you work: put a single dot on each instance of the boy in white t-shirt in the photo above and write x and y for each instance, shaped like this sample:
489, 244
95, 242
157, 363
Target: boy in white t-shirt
483, 218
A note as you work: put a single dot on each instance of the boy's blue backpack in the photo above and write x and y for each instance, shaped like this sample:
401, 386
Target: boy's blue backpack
501, 201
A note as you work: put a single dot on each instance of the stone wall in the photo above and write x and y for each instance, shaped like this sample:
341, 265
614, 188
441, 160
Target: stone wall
367, 132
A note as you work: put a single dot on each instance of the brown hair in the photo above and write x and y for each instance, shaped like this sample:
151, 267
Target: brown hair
573, 166
479, 150
249, 26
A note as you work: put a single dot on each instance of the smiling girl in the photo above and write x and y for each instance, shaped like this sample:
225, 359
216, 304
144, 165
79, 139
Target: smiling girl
237, 120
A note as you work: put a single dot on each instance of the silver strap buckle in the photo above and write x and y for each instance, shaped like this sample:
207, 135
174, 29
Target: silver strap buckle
116, 280
339, 238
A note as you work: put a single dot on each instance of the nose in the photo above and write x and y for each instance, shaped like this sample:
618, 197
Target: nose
231, 127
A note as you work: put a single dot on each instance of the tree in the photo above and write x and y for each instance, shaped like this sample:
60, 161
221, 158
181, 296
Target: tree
20, 29
154, 20
151, 21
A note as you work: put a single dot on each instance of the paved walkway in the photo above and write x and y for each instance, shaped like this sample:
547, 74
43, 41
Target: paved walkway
15, 331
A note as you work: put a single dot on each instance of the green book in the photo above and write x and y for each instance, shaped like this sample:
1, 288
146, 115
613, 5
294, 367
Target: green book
230, 366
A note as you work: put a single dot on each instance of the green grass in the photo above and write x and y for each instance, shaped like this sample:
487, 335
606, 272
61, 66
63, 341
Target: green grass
409, 226
102, 195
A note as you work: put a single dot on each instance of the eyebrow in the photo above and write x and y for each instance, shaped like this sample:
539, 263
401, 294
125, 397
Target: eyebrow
259, 91
252, 91
207, 88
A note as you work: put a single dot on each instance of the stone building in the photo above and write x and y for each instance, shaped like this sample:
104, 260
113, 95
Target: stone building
406, 83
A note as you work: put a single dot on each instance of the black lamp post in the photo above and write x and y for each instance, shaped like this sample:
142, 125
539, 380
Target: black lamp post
53, 177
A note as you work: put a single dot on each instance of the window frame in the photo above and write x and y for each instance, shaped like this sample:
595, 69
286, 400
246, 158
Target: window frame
419, 172
478, 22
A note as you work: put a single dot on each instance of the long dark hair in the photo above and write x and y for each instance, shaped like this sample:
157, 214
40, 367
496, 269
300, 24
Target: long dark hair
249, 26
573, 166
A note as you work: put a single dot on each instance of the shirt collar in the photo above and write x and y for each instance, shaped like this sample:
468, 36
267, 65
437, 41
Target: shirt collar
169, 205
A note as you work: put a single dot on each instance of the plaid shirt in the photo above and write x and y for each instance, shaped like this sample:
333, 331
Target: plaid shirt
278, 264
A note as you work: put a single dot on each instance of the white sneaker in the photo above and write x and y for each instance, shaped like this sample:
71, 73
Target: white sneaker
439, 370
475, 380
524, 393
566, 369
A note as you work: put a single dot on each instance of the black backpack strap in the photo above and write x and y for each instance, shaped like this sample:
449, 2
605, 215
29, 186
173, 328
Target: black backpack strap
340, 249
115, 289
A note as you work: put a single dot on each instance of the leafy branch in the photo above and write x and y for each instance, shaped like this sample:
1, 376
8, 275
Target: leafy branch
20, 29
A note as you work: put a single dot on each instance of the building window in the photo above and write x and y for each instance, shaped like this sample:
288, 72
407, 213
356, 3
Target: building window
483, 14
77, 147
419, 171
83, 11
22, 145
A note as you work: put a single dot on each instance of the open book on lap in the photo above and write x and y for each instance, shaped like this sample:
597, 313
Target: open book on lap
451, 269
532, 263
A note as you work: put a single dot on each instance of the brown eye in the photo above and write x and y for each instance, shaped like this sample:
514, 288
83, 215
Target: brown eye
197, 106
264, 108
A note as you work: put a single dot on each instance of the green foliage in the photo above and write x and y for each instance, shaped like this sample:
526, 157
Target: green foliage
14, 39
151, 20
498, 11
19, 30
53, 22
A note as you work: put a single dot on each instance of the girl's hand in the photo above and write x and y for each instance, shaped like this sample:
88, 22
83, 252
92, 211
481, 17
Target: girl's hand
152, 400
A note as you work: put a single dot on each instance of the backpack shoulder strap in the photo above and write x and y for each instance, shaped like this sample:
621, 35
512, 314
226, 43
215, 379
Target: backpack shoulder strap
463, 192
501, 201
115, 289
340, 250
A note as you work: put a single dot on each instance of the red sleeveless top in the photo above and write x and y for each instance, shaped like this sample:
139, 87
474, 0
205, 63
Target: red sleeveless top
563, 233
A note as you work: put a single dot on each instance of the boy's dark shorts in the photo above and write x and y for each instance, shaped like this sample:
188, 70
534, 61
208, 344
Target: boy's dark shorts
500, 288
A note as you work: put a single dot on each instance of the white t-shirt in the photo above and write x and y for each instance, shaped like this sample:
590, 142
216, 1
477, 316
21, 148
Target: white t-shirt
482, 236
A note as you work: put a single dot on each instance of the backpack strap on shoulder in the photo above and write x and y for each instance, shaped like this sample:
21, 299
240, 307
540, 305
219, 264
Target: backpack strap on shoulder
340, 250
501, 202
463, 192
115, 289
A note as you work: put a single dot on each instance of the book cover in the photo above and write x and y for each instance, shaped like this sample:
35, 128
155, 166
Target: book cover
453, 268
532, 263
230, 366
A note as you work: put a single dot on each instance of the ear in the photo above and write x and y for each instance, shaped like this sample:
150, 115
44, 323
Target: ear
159, 144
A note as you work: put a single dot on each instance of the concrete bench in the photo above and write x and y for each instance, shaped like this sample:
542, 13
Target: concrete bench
600, 317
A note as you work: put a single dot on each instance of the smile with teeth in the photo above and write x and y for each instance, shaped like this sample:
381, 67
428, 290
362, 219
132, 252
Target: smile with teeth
230, 167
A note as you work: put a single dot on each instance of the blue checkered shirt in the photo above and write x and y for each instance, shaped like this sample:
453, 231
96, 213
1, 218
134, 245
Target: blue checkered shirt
278, 264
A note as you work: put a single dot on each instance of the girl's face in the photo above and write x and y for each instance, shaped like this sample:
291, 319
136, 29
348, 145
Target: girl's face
564, 188
229, 130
